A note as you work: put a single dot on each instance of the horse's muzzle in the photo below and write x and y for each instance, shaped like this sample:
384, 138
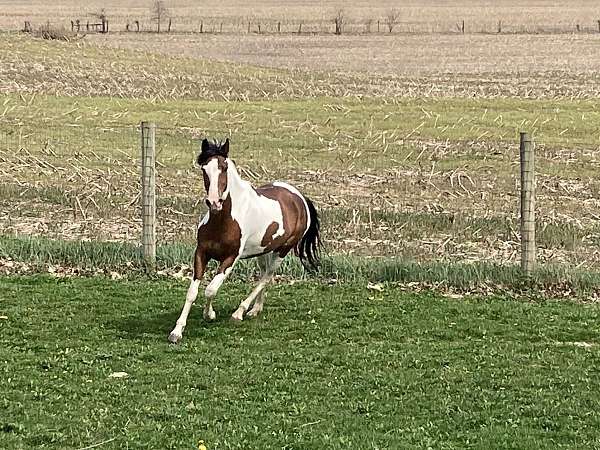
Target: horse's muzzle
215, 206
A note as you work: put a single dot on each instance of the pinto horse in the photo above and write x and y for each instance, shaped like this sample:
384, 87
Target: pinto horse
243, 222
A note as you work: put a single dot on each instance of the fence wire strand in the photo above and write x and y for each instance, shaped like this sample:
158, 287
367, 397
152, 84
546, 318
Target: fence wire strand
416, 198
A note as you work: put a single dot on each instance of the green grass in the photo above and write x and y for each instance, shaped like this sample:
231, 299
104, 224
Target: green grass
556, 121
39, 253
407, 226
290, 136
333, 367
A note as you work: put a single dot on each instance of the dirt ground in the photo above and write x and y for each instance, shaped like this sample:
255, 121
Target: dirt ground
479, 56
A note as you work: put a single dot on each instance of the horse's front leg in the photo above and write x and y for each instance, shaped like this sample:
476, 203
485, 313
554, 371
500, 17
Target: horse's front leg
223, 272
200, 261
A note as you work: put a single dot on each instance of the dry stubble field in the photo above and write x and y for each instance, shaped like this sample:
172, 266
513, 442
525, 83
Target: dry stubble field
408, 142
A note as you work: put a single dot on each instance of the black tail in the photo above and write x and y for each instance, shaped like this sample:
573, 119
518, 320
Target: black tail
309, 247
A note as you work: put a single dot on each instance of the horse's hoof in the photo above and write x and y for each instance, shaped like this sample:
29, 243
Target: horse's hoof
235, 318
174, 338
252, 314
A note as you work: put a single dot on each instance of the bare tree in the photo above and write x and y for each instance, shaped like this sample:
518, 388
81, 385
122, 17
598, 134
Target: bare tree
159, 12
102, 17
339, 21
393, 15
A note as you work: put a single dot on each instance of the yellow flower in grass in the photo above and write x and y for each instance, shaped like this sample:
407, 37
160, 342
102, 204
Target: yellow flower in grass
201, 446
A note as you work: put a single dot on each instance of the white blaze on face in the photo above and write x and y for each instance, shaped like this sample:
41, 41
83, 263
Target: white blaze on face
212, 172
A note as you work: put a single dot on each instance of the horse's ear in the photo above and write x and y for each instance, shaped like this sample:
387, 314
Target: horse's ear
205, 145
225, 148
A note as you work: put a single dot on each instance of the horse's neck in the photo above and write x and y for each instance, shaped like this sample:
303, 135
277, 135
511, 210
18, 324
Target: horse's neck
240, 190
240, 194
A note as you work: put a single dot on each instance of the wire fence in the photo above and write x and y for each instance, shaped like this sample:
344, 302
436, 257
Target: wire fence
364, 25
380, 194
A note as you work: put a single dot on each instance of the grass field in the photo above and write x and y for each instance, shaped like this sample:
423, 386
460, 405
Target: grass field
65, 258
325, 367
394, 174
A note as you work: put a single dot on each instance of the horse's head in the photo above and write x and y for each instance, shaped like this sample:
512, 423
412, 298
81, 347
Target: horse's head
214, 163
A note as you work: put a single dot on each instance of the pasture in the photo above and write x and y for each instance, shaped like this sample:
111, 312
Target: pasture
338, 366
401, 172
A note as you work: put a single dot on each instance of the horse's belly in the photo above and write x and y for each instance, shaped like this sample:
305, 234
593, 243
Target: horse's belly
253, 247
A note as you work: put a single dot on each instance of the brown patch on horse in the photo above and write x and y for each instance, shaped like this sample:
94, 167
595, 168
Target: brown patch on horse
221, 236
294, 220
267, 239
222, 163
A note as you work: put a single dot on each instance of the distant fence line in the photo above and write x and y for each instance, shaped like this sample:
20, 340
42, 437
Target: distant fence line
317, 26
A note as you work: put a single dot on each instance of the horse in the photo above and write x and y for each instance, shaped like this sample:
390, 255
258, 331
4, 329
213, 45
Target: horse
244, 222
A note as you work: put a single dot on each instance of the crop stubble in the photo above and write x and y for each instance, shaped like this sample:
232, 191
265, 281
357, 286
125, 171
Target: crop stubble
436, 191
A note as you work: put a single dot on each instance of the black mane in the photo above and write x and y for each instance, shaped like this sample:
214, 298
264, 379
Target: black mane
209, 149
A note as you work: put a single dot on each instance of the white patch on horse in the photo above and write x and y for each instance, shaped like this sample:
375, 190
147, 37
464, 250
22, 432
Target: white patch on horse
254, 213
192, 292
295, 191
280, 231
204, 220
190, 297
212, 172
213, 287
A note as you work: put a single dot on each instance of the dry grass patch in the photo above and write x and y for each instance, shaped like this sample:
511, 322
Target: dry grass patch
383, 67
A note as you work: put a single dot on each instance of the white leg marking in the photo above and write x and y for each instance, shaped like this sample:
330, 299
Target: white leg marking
211, 291
192, 293
209, 313
269, 266
258, 306
214, 285
245, 305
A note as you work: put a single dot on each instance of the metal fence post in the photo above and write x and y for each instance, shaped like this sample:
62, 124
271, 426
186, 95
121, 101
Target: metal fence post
527, 203
148, 193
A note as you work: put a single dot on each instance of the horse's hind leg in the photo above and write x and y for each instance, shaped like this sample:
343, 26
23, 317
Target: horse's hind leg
245, 305
273, 264
199, 266
268, 265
